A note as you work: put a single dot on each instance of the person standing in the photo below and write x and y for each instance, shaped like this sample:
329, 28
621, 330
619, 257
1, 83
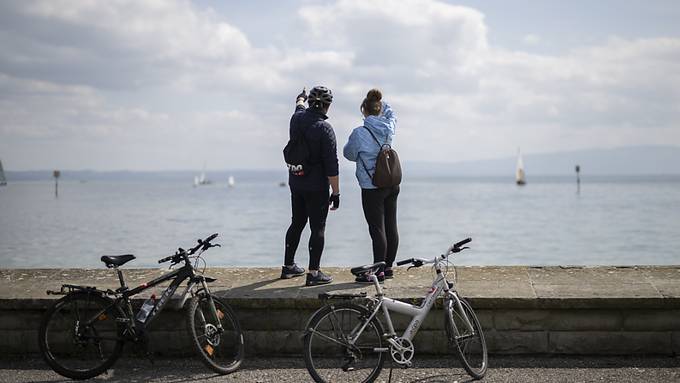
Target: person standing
313, 136
379, 204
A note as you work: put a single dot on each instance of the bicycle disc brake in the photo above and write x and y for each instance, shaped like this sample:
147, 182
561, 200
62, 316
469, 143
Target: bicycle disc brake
402, 351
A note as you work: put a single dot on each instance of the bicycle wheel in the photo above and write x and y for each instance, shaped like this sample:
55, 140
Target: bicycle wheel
79, 336
220, 347
470, 346
328, 355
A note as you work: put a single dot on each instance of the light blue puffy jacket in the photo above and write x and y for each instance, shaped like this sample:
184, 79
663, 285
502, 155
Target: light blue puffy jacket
362, 148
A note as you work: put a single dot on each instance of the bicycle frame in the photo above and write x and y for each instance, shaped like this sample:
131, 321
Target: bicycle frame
123, 294
418, 313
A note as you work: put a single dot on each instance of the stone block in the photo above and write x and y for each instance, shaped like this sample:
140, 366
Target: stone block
273, 343
609, 343
13, 342
651, 320
557, 320
517, 342
20, 320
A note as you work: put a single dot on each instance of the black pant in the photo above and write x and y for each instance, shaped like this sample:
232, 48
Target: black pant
312, 206
380, 210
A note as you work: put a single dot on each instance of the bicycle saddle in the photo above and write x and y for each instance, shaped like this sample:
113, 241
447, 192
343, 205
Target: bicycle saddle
116, 260
366, 268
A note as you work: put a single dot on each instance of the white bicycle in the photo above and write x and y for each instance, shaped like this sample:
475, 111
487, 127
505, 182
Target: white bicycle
345, 342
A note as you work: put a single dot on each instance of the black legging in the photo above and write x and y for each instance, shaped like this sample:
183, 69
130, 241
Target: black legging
380, 210
312, 205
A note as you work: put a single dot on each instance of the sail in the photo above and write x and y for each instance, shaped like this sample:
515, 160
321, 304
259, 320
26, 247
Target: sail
520, 178
3, 180
231, 181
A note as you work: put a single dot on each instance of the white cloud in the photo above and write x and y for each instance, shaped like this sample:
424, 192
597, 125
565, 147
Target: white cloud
531, 39
152, 76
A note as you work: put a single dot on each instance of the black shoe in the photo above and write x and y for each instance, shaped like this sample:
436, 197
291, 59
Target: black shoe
291, 272
319, 279
389, 273
365, 278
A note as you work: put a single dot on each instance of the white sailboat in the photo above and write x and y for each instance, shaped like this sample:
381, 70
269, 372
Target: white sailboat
201, 180
231, 181
520, 178
3, 180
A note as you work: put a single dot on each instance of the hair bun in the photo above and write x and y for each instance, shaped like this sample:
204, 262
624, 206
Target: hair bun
374, 95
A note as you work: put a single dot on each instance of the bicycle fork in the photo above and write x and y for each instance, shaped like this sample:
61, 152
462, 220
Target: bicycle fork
453, 298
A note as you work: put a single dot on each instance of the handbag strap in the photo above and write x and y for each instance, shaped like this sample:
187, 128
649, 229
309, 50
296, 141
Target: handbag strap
379, 148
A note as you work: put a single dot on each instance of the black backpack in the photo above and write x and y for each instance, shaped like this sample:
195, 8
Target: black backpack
296, 154
387, 167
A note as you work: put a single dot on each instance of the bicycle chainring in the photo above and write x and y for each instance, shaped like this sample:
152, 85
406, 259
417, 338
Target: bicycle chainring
403, 352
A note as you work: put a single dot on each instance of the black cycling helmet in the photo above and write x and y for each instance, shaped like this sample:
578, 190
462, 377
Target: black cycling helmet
320, 97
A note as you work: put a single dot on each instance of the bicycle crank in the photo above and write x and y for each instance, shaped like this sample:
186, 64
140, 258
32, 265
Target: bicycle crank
402, 351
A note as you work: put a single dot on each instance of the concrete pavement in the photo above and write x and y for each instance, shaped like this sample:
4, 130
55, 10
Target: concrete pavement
280, 370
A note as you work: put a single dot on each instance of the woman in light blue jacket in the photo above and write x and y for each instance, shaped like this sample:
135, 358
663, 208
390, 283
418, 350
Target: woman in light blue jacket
379, 204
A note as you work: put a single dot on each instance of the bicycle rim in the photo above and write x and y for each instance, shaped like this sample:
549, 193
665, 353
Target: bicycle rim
329, 357
220, 349
79, 336
470, 346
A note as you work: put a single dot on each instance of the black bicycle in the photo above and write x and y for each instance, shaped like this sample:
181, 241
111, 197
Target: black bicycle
82, 334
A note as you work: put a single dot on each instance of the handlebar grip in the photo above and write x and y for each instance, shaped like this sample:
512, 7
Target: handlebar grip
405, 262
210, 238
165, 259
463, 242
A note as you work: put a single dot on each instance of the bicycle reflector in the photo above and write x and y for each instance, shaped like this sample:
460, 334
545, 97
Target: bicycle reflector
209, 349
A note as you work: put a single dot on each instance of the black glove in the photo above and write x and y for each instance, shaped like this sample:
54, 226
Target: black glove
334, 200
302, 95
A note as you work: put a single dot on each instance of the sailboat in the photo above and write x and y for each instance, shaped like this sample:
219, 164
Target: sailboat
520, 178
3, 180
230, 181
201, 180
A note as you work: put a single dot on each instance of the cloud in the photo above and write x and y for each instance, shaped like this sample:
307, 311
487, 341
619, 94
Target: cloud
531, 39
147, 76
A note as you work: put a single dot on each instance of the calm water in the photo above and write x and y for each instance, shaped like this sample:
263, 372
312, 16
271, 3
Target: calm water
620, 221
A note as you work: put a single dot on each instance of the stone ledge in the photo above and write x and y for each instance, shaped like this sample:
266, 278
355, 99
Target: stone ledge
523, 310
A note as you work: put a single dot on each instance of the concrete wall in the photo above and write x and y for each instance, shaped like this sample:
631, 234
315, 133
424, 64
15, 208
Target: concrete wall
276, 328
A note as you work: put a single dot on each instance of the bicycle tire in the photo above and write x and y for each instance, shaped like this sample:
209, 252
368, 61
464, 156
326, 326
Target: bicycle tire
217, 345
56, 351
315, 324
465, 351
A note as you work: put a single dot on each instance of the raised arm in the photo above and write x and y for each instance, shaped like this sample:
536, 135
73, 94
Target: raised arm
388, 113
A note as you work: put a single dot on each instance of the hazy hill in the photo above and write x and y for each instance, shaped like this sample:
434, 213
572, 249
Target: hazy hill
638, 160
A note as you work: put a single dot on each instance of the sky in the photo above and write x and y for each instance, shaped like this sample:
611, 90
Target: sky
160, 85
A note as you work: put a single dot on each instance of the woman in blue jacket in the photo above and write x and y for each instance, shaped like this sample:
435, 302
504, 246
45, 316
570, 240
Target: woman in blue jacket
380, 204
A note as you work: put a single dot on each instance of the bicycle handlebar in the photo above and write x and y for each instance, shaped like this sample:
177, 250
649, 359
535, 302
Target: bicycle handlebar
455, 248
202, 243
405, 262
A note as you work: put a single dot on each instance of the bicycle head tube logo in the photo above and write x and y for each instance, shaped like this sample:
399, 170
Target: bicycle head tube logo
415, 326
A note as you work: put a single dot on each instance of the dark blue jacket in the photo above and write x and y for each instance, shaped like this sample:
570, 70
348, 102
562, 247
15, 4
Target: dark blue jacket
323, 152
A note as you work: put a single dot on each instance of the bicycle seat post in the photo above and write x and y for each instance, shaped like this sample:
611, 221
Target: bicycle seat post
376, 282
123, 286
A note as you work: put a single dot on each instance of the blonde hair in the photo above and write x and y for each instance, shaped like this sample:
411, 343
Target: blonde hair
372, 104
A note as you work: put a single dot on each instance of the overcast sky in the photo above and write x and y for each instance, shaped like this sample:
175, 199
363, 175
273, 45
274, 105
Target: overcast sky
153, 85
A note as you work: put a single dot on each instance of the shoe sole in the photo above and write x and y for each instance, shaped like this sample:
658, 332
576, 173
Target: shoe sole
317, 283
289, 276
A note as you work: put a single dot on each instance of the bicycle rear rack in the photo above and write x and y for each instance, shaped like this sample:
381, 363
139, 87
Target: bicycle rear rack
327, 296
66, 289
